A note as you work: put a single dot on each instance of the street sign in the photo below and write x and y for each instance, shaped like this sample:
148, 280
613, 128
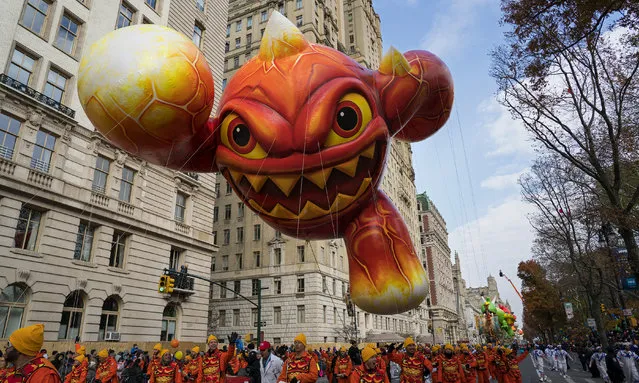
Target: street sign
263, 323
627, 312
630, 283
591, 323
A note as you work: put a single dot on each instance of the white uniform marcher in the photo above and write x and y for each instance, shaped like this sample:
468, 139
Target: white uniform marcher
560, 358
599, 358
628, 360
538, 357
550, 356
271, 371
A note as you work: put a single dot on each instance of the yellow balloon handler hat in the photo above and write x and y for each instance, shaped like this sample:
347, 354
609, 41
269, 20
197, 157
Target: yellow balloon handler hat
80, 358
449, 347
103, 353
158, 347
210, 338
164, 351
367, 353
408, 342
196, 350
28, 340
300, 338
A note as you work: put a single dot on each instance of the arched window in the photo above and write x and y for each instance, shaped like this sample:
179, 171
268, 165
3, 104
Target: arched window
169, 322
71, 321
109, 317
13, 300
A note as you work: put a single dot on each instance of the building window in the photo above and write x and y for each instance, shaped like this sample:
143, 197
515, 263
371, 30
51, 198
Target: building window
227, 237
35, 15
43, 151
126, 186
180, 207
324, 314
282, 9
236, 62
217, 189
125, 16
238, 260
257, 232
215, 237
238, 26
352, 39
200, 5
84, 242
277, 282
300, 284
254, 287
169, 323
299, 21
277, 315
151, 3
238, 42
236, 317
175, 257
109, 317
258, 258
198, 31
240, 235
298, 4
334, 286
350, 16
240, 210
13, 302
118, 246
216, 214
67, 34
222, 318
237, 286
335, 315
261, 32
278, 256
72, 311
27, 230
300, 254
249, 39
9, 128
249, 22
213, 259
22, 66
227, 212
55, 86
263, 16
100, 174
223, 289
223, 84
228, 30
227, 47
301, 314
278, 234
324, 285
225, 263
229, 188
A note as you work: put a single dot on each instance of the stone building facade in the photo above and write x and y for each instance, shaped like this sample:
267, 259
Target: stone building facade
443, 306
85, 230
306, 281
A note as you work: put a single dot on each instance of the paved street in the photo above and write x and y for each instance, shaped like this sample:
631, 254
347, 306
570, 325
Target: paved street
575, 374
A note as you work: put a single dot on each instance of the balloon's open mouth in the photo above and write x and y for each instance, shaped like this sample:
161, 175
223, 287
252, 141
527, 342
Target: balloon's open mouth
314, 192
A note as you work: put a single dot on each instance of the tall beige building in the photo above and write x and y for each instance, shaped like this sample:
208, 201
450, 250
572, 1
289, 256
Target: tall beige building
306, 281
86, 230
436, 253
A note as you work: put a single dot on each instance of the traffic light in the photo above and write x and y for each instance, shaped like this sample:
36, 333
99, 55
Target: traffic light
162, 284
603, 308
170, 284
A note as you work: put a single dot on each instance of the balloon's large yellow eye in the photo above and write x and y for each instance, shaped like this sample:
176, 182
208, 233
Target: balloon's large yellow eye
352, 116
236, 135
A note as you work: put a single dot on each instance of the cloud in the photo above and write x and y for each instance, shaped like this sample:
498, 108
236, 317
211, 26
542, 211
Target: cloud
501, 182
507, 136
451, 26
498, 240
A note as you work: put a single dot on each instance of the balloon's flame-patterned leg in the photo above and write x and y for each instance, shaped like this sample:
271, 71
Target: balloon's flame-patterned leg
385, 273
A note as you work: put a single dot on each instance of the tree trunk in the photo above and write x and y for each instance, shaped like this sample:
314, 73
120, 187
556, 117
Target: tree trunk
631, 246
596, 314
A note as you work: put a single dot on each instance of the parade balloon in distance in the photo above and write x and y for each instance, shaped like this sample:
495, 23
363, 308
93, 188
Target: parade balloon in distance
175, 343
301, 133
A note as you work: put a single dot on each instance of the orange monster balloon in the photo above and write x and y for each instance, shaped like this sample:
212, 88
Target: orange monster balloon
301, 134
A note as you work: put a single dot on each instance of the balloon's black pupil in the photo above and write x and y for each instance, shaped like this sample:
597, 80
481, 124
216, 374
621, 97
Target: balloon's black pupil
347, 118
241, 135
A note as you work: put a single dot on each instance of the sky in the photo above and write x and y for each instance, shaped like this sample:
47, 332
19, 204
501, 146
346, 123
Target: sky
470, 167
